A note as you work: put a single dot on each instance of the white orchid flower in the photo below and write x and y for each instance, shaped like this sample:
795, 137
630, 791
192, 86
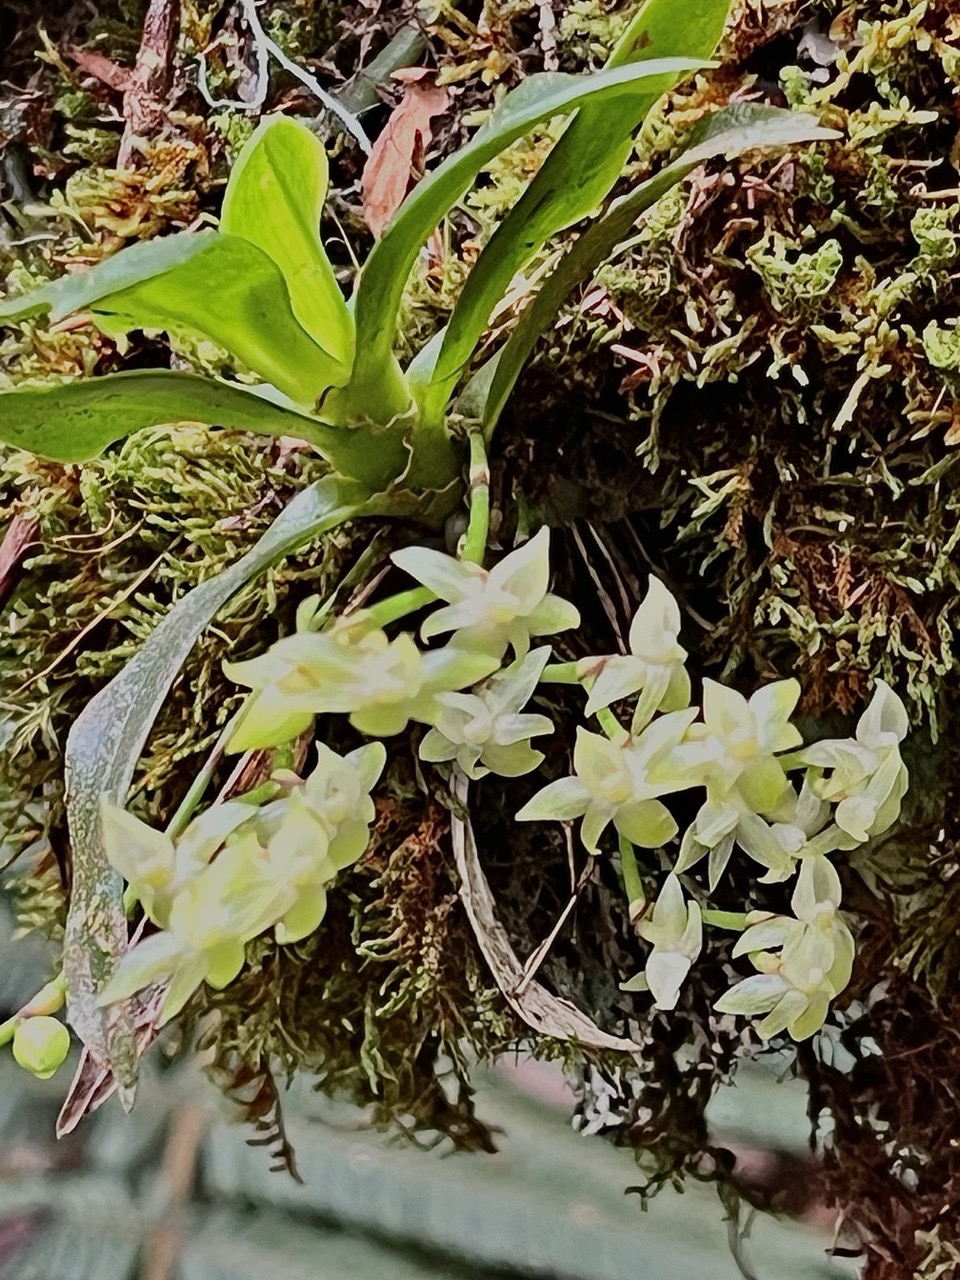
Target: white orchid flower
491, 610
654, 667
675, 929
485, 731
794, 989
620, 783
157, 867
271, 872
867, 779
800, 830
741, 737
211, 919
380, 683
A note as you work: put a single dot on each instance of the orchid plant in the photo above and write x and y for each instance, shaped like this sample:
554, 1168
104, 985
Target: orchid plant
308, 362
266, 861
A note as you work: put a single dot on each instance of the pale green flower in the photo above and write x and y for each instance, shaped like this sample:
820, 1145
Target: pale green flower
155, 866
675, 929
797, 832
868, 778
352, 670
211, 919
654, 666
272, 869
745, 735
484, 731
620, 783
491, 610
316, 830
794, 989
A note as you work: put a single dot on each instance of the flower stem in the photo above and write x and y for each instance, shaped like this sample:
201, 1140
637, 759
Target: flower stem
393, 608
725, 919
560, 673
194, 795
632, 883
478, 529
611, 726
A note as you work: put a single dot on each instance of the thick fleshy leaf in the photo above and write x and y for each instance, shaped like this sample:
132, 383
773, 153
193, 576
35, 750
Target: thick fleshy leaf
538, 98
218, 287
729, 132
75, 421
275, 199
575, 177
101, 754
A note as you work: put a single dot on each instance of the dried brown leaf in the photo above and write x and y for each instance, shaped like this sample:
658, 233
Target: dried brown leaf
399, 152
548, 1014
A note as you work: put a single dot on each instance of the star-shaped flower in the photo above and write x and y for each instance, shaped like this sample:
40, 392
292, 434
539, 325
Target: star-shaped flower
867, 779
745, 736
675, 928
794, 989
620, 783
353, 670
654, 666
800, 830
491, 610
485, 731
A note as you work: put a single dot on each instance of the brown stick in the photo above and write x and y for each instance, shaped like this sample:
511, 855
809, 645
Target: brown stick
145, 101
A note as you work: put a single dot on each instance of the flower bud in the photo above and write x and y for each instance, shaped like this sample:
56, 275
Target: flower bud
40, 1045
49, 999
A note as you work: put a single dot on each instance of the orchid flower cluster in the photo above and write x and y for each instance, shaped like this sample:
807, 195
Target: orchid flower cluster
265, 862
739, 752
242, 868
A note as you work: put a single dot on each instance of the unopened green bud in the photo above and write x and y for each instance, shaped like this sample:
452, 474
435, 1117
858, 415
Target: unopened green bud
49, 999
40, 1045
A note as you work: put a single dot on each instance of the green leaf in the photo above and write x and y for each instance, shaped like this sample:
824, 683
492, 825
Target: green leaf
728, 132
76, 421
274, 200
379, 294
573, 180
102, 752
205, 285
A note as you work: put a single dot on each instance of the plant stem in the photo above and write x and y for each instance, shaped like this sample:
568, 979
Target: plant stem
725, 919
632, 883
194, 795
611, 726
560, 673
478, 528
393, 608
